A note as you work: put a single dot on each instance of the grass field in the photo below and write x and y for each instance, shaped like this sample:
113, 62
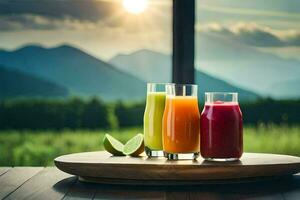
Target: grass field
39, 148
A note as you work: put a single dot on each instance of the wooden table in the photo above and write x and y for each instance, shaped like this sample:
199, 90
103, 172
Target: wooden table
51, 183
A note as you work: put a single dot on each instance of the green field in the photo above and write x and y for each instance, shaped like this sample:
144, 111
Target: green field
39, 148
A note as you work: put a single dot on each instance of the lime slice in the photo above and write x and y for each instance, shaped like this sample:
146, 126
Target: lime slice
135, 146
112, 145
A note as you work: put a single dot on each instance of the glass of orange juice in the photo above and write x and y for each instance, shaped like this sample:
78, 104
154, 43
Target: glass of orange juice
181, 122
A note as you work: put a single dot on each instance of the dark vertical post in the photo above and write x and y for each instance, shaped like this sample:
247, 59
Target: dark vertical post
183, 41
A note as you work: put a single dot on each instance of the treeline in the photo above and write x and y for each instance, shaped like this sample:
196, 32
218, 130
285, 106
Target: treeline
272, 111
96, 114
53, 114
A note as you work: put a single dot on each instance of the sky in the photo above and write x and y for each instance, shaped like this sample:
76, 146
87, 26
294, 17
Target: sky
105, 28
270, 25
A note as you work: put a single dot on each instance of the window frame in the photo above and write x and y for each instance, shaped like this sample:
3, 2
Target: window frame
183, 70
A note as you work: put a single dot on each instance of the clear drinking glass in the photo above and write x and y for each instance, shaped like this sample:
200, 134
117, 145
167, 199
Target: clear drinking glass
181, 121
221, 127
155, 105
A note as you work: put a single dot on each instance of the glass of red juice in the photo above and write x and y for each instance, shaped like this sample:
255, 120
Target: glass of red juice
221, 127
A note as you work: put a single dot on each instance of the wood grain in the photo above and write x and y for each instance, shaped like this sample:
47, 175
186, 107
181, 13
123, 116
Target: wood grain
50, 183
128, 193
14, 178
100, 166
80, 190
294, 189
258, 190
3, 170
53, 184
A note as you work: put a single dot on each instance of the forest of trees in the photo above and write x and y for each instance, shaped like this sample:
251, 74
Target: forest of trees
75, 113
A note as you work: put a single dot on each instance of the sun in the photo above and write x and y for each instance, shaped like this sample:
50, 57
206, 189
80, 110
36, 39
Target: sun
135, 6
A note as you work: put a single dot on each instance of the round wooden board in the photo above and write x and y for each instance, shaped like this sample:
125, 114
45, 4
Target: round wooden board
102, 167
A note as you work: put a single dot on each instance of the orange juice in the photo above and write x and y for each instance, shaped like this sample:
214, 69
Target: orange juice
181, 125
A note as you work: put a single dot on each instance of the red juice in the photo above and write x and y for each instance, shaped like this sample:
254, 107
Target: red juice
221, 130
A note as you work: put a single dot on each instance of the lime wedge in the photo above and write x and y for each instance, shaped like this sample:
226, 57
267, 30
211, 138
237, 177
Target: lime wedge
135, 146
112, 145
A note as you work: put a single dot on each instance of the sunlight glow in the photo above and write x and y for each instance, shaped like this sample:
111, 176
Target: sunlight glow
135, 6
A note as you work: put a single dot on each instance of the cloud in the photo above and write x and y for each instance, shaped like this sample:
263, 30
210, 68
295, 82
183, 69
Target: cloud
56, 14
91, 10
38, 22
72, 15
102, 34
253, 34
251, 12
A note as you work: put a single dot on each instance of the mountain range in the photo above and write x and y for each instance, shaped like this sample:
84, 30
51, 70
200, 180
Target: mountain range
17, 84
155, 67
81, 74
246, 66
289, 89
148, 65
235, 63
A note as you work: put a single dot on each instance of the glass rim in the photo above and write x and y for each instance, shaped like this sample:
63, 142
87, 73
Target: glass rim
184, 84
149, 83
221, 96
221, 93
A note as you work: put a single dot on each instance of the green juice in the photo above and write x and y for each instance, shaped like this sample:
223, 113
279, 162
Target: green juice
154, 111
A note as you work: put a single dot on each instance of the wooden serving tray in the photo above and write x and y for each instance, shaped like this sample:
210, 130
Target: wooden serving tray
103, 168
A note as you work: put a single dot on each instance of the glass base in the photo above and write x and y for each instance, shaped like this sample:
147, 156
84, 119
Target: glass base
222, 159
181, 156
154, 153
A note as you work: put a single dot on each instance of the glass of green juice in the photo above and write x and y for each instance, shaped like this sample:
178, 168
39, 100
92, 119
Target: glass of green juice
155, 106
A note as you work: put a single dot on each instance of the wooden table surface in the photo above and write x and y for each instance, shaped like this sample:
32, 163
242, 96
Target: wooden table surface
51, 183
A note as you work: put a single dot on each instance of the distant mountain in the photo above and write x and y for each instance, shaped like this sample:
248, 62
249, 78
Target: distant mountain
146, 64
17, 84
207, 83
76, 70
159, 66
238, 64
244, 65
287, 89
